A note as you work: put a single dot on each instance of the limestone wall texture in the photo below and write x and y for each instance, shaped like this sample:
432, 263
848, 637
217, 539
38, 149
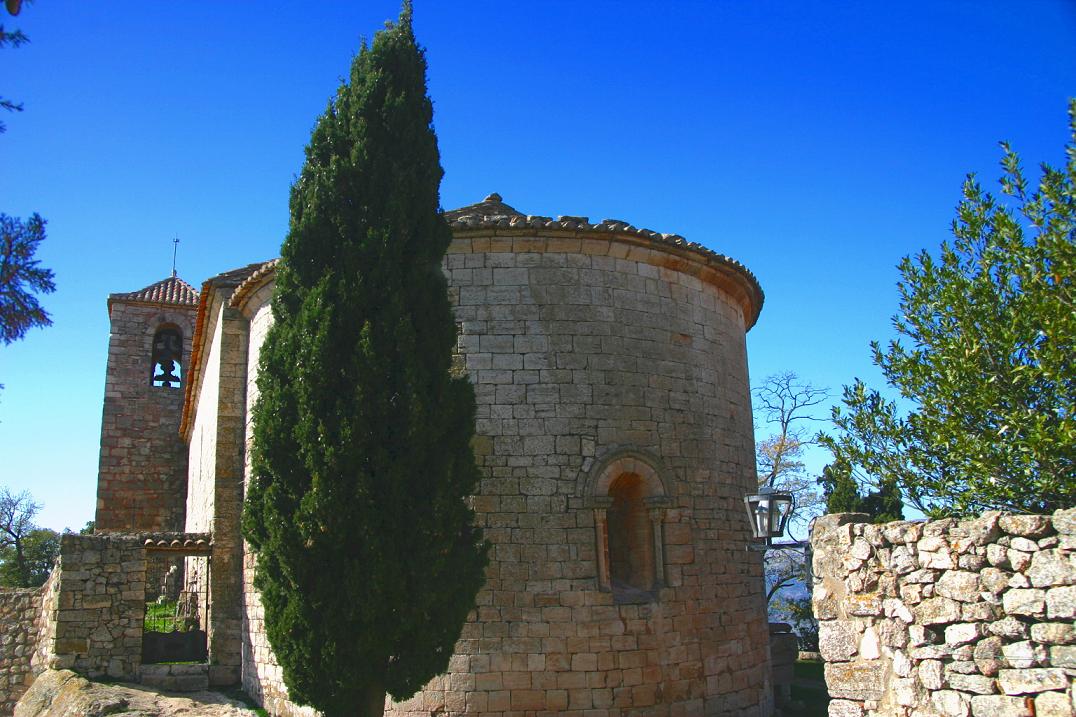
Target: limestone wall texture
215, 482
143, 463
20, 612
99, 606
603, 370
948, 617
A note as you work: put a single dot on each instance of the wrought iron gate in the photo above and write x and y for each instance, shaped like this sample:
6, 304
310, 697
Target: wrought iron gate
177, 606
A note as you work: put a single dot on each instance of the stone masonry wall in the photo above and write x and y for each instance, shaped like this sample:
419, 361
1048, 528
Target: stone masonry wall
20, 610
143, 462
215, 479
948, 617
99, 607
589, 355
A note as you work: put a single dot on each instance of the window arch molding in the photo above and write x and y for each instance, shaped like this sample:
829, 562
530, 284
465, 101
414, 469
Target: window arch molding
603, 486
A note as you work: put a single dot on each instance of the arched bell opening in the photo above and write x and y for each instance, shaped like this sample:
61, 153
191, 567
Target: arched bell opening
166, 361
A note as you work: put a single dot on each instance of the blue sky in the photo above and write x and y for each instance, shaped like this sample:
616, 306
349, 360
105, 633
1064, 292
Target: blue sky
815, 142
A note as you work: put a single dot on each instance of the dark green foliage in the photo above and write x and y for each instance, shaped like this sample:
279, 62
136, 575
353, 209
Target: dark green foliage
840, 488
13, 38
369, 559
39, 550
842, 495
986, 362
21, 276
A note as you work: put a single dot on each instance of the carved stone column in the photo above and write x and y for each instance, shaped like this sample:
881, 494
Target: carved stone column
600, 506
656, 506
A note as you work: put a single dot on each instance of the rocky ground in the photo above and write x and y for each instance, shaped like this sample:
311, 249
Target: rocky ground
62, 693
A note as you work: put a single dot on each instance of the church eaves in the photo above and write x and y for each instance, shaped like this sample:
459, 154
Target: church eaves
493, 213
172, 291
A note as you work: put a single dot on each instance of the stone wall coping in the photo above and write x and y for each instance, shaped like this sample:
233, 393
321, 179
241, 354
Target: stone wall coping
144, 539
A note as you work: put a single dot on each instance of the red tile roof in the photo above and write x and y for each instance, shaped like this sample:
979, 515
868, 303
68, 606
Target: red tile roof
172, 291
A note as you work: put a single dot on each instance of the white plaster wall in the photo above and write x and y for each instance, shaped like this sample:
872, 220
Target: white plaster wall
201, 466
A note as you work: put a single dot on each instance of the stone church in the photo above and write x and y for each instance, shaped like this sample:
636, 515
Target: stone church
614, 436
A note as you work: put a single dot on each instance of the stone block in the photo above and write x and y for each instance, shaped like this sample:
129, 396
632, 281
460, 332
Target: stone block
866, 605
984, 611
1061, 602
950, 703
1024, 545
856, 680
937, 611
1054, 704
1051, 568
1001, 706
1010, 627
1024, 655
1032, 681
1029, 602
1025, 526
1064, 521
997, 555
892, 607
838, 640
988, 656
962, 633
845, 708
1019, 560
977, 684
958, 585
984, 529
1054, 633
72, 645
931, 675
1063, 656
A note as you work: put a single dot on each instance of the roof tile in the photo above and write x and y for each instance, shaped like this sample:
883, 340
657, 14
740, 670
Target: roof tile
173, 291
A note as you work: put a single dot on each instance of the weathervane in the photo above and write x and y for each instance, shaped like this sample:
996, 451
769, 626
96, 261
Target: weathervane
175, 246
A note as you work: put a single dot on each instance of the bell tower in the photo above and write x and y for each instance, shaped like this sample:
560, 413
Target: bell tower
142, 475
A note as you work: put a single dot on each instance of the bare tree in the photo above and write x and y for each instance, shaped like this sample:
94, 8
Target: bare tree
786, 404
17, 514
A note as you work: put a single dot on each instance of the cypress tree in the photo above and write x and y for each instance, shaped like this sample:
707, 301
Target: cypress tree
368, 557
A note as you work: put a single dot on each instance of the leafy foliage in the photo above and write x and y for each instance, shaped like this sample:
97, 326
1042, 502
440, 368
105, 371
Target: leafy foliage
798, 613
985, 360
21, 276
369, 559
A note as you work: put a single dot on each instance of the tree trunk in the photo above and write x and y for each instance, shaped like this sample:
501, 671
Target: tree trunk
20, 565
373, 701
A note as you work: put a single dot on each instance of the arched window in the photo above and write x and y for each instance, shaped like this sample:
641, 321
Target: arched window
629, 499
631, 538
166, 361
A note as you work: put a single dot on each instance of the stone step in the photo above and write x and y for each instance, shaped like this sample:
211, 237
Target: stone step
176, 678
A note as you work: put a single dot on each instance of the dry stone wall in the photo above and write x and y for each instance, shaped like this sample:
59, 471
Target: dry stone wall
948, 617
20, 614
99, 607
